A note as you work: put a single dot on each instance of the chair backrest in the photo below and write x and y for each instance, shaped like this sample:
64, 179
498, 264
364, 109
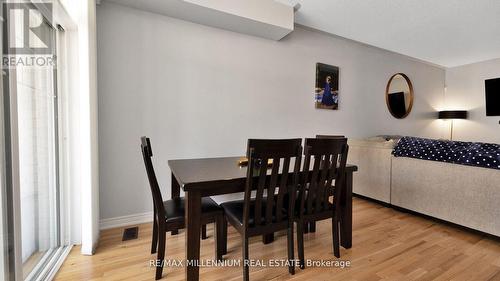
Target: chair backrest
328, 157
281, 152
147, 154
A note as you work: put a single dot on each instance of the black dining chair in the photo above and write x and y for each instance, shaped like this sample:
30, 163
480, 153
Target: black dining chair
269, 211
328, 157
169, 215
311, 227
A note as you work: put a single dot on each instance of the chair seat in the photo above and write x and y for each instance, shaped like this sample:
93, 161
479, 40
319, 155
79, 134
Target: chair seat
175, 208
234, 209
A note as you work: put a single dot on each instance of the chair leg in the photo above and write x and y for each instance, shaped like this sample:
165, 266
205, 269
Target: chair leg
161, 252
246, 269
312, 227
335, 234
224, 235
204, 232
306, 227
300, 244
268, 238
154, 241
291, 245
219, 237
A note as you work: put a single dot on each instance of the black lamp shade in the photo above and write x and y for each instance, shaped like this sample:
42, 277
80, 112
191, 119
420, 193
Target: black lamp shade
452, 114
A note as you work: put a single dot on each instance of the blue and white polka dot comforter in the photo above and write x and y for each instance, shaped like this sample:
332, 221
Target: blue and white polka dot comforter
486, 155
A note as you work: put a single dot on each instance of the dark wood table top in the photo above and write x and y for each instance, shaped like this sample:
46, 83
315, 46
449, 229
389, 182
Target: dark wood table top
205, 172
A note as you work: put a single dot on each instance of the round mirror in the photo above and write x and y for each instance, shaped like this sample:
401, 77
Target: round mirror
399, 95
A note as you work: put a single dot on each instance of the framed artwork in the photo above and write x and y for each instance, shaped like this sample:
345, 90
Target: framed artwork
327, 86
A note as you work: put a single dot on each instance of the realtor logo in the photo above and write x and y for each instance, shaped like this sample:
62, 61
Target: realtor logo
29, 33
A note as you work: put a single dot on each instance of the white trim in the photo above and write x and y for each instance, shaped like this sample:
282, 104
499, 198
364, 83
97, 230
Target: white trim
15, 177
58, 263
83, 137
42, 265
49, 265
126, 220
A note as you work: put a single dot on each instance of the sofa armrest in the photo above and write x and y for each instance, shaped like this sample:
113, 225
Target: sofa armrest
373, 159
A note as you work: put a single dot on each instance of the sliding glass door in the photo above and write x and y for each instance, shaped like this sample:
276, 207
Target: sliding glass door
32, 168
38, 158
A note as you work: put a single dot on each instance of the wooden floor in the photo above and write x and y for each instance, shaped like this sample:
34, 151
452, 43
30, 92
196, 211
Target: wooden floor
387, 245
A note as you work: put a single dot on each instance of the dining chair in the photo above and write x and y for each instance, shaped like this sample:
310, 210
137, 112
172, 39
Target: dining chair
328, 157
311, 227
268, 211
169, 215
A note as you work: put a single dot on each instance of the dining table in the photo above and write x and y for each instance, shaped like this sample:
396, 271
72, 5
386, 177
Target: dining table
204, 177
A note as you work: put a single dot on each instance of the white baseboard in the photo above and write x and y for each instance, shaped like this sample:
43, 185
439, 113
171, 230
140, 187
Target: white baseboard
126, 220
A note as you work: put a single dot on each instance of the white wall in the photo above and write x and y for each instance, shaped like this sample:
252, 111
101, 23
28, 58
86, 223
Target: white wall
465, 90
202, 92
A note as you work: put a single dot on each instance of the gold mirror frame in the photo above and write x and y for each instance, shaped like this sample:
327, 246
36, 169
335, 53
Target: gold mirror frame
410, 85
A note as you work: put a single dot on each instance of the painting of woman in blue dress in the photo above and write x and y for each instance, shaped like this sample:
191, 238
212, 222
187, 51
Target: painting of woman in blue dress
327, 85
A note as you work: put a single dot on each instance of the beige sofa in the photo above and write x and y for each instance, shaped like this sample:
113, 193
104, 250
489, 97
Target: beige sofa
465, 195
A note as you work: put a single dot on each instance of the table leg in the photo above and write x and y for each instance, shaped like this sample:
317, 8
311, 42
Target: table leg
346, 216
193, 227
175, 193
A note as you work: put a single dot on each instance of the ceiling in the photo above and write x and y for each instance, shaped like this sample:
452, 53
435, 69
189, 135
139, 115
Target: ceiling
443, 32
